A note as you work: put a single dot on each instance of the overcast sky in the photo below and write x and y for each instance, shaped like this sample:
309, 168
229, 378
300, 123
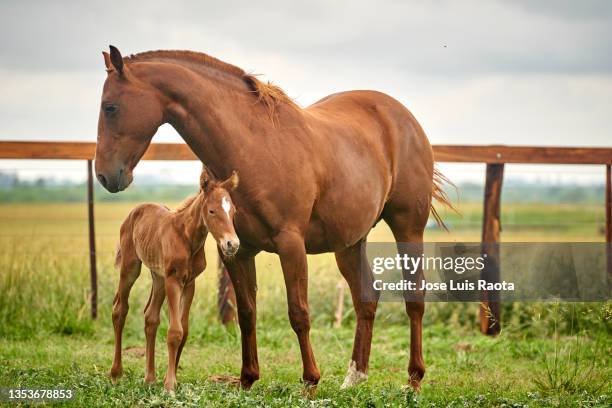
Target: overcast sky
515, 72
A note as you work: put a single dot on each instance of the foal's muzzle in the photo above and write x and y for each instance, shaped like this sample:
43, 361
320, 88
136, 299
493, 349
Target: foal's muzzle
229, 246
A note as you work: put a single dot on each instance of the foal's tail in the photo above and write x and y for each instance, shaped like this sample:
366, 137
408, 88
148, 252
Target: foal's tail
441, 196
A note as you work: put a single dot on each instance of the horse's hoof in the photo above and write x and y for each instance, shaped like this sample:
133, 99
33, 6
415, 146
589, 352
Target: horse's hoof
353, 377
149, 380
115, 374
248, 379
309, 391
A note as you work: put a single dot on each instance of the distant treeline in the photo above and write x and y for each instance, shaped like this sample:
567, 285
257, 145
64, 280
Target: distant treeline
78, 193
517, 191
513, 192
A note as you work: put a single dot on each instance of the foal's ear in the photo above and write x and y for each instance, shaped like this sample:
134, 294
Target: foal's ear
107, 60
204, 179
116, 59
232, 182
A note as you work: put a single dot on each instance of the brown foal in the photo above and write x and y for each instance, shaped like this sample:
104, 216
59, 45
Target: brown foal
171, 245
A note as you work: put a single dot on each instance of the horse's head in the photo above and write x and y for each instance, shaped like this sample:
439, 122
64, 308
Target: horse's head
218, 211
130, 113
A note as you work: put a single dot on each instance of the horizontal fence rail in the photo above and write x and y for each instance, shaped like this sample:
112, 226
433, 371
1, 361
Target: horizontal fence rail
442, 153
494, 156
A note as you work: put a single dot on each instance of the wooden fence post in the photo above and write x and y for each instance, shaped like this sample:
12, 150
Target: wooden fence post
609, 223
226, 297
490, 313
92, 242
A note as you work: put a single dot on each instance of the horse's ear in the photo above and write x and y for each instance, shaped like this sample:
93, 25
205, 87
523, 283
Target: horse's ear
204, 179
232, 182
107, 60
116, 59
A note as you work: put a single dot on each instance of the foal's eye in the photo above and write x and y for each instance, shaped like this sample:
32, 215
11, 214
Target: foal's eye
211, 211
110, 108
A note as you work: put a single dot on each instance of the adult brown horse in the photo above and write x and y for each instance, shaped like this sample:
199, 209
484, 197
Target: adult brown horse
313, 180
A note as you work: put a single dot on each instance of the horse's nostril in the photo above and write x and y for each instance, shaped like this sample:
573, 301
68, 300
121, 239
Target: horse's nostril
229, 244
102, 180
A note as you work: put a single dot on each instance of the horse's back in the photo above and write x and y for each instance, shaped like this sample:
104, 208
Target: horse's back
372, 146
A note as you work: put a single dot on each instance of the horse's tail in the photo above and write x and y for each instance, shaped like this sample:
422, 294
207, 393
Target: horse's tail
118, 256
441, 196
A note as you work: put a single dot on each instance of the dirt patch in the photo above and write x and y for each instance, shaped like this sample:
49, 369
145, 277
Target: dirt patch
225, 379
135, 351
466, 347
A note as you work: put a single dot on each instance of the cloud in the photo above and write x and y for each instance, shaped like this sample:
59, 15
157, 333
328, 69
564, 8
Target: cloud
471, 71
443, 37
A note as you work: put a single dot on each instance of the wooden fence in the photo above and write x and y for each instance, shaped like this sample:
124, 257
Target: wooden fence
494, 156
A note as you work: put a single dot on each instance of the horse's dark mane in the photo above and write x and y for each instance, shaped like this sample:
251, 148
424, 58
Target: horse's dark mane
188, 56
267, 93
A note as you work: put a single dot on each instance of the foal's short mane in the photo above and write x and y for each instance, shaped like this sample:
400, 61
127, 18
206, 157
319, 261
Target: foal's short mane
186, 203
267, 93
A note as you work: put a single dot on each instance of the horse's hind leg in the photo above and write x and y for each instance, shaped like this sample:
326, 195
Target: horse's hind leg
151, 317
354, 267
408, 228
129, 272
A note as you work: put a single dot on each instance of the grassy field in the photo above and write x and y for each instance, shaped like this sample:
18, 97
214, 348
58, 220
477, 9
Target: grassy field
547, 354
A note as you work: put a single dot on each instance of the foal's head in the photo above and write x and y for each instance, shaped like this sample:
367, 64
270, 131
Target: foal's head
218, 211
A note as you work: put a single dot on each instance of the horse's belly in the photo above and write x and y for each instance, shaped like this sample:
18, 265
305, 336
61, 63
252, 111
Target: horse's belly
341, 227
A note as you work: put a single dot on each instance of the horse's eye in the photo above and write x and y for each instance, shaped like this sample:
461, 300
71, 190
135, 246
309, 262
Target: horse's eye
211, 211
110, 109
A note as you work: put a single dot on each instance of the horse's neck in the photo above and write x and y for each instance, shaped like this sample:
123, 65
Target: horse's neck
192, 220
217, 118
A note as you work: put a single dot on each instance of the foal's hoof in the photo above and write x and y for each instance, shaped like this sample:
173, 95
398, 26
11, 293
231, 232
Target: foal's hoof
149, 380
170, 384
414, 385
415, 375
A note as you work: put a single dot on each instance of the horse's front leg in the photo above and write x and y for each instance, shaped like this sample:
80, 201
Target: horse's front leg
174, 290
241, 269
292, 253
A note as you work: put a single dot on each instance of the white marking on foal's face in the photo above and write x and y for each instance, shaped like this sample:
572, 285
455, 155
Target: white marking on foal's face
225, 204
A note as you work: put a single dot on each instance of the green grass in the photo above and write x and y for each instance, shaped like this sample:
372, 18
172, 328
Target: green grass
547, 354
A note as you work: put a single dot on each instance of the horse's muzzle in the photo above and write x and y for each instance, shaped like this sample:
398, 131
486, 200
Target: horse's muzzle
116, 183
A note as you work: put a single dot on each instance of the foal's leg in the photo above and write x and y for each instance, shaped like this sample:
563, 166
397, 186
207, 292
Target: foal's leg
355, 268
292, 254
241, 269
186, 300
129, 272
174, 290
151, 317
403, 227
